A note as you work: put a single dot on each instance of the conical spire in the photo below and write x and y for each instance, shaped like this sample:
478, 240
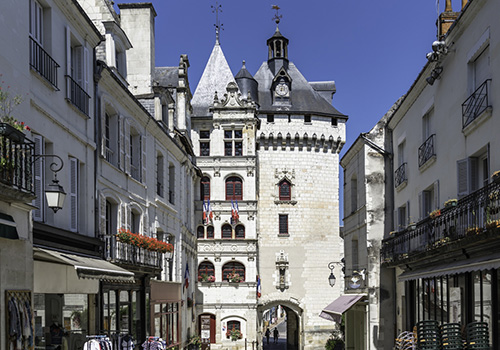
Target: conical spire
215, 77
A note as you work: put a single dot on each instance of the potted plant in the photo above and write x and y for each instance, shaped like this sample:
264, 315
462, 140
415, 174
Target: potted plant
9, 126
450, 203
234, 277
412, 225
194, 342
496, 176
234, 334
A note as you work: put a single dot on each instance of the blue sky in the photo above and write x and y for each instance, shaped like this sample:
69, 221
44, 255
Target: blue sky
372, 49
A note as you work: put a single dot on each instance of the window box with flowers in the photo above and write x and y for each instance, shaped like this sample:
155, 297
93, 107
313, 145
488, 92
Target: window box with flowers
234, 334
141, 241
496, 176
206, 278
435, 213
234, 277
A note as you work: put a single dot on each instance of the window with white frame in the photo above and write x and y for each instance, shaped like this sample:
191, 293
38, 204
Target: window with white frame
135, 221
401, 216
110, 135
354, 193
472, 173
233, 142
204, 143
77, 72
480, 68
36, 21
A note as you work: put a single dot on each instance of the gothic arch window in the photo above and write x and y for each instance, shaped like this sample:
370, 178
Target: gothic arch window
200, 232
234, 188
210, 232
285, 190
227, 231
205, 271
233, 272
239, 232
205, 188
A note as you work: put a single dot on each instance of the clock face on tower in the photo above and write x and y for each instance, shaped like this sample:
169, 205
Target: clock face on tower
282, 89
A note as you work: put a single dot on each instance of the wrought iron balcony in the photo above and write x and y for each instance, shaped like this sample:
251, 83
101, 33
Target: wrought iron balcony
16, 153
128, 254
77, 95
426, 150
41, 62
473, 215
400, 175
475, 104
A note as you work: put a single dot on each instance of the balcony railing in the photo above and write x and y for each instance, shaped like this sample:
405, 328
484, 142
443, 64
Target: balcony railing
475, 104
77, 95
400, 175
473, 215
41, 61
15, 163
426, 150
128, 254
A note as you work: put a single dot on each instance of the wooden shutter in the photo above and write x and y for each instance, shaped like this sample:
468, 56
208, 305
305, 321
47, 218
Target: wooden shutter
421, 211
73, 194
126, 148
238, 189
408, 216
102, 214
77, 64
229, 189
68, 51
38, 172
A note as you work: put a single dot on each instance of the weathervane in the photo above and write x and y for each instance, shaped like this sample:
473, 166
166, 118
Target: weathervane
218, 26
277, 16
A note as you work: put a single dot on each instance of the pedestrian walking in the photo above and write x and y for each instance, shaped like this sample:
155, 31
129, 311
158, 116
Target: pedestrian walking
268, 333
276, 334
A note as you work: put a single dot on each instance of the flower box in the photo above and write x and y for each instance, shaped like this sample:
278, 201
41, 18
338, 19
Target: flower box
11, 132
450, 203
148, 243
435, 213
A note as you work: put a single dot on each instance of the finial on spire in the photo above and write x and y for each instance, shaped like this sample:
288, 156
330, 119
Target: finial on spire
218, 26
243, 66
277, 16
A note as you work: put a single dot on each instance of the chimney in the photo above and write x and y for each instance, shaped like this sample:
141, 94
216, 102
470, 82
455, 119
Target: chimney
183, 96
138, 22
446, 19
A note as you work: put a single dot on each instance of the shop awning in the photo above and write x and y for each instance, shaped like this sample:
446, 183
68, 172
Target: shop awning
334, 311
8, 227
86, 267
459, 266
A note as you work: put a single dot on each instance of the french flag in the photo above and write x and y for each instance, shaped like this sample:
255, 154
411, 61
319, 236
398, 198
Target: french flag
235, 211
259, 291
186, 277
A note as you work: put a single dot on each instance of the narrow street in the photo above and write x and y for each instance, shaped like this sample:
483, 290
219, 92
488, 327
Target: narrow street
281, 344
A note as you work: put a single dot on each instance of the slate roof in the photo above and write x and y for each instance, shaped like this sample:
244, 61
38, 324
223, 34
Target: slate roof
167, 76
215, 77
304, 98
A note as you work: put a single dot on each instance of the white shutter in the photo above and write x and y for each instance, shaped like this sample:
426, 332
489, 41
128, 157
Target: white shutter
126, 148
408, 216
437, 203
473, 174
73, 193
462, 177
102, 214
121, 143
143, 158
77, 61
38, 172
86, 69
421, 211
68, 61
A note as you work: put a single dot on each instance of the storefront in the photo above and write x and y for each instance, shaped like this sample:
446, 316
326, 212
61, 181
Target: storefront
462, 292
66, 288
165, 311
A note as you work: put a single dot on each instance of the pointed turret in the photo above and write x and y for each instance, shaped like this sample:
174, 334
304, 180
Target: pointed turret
215, 78
247, 84
278, 51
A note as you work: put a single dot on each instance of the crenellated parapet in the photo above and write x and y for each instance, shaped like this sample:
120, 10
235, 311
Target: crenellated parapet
300, 141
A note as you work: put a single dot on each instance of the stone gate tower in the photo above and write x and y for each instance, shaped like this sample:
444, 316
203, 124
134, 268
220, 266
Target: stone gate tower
269, 143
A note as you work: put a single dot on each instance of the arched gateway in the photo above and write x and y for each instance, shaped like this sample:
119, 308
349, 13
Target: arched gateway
292, 319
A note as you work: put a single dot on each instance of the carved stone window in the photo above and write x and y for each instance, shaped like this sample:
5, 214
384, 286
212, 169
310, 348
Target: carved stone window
284, 189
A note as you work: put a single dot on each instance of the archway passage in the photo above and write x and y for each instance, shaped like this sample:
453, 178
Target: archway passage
284, 328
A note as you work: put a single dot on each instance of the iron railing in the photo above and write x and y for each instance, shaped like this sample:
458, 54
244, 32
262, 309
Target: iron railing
426, 150
400, 175
41, 62
475, 104
77, 95
129, 254
15, 163
471, 216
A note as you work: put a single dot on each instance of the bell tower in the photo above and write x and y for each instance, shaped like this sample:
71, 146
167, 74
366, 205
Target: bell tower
278, 48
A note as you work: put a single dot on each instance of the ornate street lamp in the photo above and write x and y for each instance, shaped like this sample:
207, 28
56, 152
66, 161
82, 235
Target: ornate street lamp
331, 278
54, 192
